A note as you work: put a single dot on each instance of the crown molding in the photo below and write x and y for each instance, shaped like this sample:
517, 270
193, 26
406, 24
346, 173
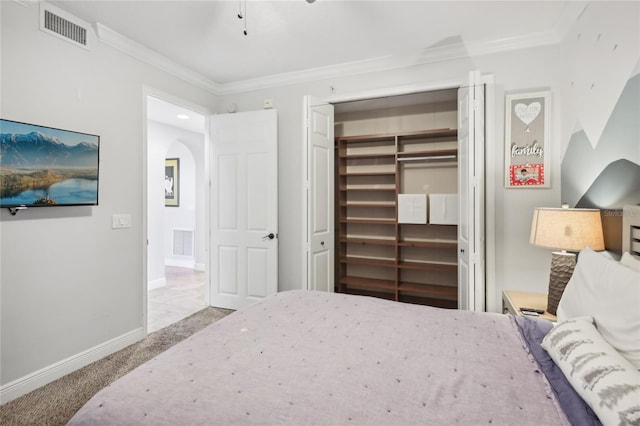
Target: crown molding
434, 54
143, 53
26, 3
528, 41
429, 55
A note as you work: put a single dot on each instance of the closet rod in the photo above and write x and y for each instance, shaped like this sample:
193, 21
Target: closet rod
431, 157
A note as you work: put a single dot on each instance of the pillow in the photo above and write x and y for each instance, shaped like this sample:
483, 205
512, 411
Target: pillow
630, 261
609, 292
598, 373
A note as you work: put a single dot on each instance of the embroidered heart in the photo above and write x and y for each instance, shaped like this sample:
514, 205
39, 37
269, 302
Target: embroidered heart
527, 113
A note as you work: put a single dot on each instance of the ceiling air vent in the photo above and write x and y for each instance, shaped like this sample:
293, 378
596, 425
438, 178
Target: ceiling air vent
63, 25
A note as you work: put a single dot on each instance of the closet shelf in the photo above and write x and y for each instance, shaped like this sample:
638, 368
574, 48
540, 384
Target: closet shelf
371, 188
407, 136
368, 173
364, 241
386, 204
367, 156
383, 137
372, 261
368, 221
429, 290
368, 283
427, 134
451, 244
435, 154
429, 265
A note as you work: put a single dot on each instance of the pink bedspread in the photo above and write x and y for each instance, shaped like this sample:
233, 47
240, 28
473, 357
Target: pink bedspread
311, 358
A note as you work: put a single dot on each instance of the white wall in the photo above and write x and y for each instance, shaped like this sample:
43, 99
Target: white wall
69, 282
600, 126
157, 147
518, 264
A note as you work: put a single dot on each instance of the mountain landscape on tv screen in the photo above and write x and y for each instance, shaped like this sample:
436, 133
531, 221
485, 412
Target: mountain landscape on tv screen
37, 169
37, 150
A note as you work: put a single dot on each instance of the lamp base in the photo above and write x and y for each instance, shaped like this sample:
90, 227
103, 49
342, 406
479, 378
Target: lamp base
562, 266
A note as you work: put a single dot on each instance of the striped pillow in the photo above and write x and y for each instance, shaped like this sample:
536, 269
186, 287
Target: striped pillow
599, 374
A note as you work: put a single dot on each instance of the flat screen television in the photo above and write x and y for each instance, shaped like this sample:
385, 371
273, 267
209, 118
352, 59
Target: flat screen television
44, 167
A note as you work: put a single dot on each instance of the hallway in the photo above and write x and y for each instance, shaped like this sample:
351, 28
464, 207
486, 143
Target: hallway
183, 295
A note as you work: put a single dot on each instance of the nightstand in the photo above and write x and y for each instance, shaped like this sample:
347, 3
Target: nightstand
512, 301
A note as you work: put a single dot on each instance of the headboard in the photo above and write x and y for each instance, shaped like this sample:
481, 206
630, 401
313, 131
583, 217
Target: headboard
631, 230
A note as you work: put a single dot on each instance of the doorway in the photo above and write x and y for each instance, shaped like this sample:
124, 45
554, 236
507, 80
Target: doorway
469, 124
176, 214
397, 192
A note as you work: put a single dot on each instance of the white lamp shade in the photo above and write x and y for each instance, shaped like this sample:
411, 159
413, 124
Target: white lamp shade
567, 229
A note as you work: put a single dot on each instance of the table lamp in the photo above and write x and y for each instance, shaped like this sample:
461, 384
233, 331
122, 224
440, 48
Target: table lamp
565, 229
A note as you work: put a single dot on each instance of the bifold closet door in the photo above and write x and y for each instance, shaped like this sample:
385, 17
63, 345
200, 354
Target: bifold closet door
471, 112
319, 195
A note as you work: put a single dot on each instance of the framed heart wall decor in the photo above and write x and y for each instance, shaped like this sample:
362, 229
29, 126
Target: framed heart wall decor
527, 130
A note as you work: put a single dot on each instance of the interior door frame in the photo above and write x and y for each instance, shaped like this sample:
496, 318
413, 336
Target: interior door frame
167, 97
490, 151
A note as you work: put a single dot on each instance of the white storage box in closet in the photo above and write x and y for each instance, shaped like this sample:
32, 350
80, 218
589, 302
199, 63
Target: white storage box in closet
412, 208
443, 209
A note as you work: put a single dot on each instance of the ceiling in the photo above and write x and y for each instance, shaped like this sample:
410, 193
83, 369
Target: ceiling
174, 115
297, 36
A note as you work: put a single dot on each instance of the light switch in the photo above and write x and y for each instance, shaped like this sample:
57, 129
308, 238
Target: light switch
119, 221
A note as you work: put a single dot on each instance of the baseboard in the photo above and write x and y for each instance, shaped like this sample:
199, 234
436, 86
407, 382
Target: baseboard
30, 382
160, 282
181, 263
200, 267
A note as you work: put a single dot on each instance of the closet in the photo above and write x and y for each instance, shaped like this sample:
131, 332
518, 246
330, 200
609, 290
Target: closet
396, 198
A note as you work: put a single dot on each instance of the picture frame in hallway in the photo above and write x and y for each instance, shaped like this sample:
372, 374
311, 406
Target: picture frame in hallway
172, 182
527, 138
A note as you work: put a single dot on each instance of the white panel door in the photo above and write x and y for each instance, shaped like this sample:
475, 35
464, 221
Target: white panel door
471, 286
319, 195
244, 208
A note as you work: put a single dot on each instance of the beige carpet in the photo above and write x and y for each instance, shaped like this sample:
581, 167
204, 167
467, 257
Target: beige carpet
57, 402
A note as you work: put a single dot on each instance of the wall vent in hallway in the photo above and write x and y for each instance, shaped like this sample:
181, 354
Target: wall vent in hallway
183, 242
67, 27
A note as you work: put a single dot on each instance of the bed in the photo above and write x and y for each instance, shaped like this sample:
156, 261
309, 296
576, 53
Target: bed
317, 358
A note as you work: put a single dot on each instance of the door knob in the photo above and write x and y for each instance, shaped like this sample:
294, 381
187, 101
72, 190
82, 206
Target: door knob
269, 236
